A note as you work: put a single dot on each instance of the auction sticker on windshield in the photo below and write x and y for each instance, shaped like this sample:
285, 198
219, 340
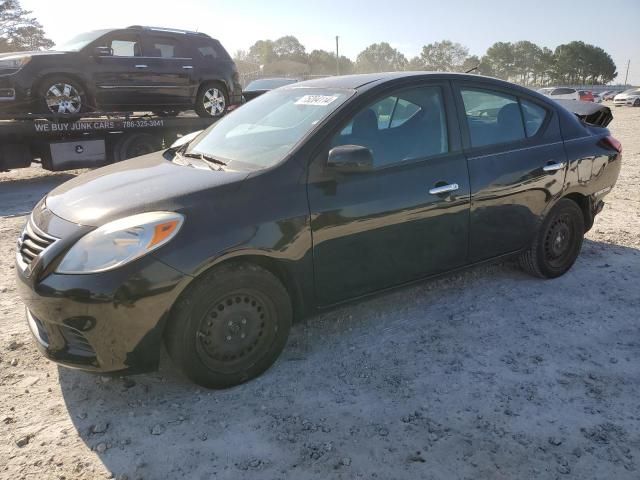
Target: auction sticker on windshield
317, 100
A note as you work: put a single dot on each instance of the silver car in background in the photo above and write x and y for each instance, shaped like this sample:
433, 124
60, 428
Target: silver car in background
628, 97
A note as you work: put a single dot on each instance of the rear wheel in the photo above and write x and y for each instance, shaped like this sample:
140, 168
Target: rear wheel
61, 95
130, 145
230, 326
558, 242
212, 100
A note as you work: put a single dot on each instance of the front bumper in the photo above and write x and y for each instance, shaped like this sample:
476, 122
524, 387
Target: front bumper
106, 322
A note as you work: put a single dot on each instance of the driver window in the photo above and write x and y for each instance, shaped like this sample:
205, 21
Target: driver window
124, 45
406, 125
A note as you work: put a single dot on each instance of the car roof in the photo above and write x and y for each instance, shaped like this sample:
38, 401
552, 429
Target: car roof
366, 81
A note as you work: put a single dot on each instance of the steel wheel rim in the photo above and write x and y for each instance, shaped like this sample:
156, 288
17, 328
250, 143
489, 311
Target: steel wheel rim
214, 102
558, 241
235, 331
63, 98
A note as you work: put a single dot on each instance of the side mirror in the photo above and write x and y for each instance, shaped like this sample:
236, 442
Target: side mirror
103, 52
350, 158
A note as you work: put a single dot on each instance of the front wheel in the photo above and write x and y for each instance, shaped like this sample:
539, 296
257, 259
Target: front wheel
557, 244
636, 103
212, 100
61, 95
230, 326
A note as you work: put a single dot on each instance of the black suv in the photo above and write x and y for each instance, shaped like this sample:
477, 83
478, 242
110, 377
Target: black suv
135, 68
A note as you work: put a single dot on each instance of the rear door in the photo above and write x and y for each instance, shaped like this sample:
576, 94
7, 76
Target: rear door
390, 225
517, 165
170, 68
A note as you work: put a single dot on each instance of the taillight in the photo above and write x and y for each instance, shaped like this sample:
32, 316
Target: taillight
613, 143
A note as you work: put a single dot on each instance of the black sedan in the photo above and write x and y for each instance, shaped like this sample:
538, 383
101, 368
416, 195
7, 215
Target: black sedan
308, 196
263, 85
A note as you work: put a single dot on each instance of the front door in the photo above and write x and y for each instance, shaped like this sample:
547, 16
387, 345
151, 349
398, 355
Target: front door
406, 218
121, 79
517, 166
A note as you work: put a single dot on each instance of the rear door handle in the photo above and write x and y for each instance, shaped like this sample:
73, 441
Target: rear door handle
554, 167
141, 66
452, 187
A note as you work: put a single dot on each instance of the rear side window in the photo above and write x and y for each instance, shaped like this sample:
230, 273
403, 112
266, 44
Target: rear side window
164, 47
492, 117
212, 50
534, 116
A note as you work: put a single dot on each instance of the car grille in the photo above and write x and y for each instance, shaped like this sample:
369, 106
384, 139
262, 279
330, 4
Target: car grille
33, 242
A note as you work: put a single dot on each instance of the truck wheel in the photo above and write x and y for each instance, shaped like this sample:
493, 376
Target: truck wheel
557, 244
131, 145
61, 95
230, 326
212, 100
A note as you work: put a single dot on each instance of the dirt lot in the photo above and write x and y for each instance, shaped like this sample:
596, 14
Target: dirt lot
485, 374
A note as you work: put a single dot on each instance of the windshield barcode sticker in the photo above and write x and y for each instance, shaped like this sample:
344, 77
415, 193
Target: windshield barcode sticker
317, 100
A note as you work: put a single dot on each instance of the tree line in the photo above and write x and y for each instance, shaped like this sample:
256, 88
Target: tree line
522, 62
19, 31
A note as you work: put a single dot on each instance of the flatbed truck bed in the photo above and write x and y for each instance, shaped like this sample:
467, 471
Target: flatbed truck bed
89, 140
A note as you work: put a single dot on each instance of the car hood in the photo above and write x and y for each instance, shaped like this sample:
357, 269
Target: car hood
625, 96
143, 184
36, 53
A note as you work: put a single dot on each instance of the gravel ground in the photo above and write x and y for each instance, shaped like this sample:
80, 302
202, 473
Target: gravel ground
484, 374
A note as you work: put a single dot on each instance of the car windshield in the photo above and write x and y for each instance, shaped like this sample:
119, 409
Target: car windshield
269, 83
264, 131
80, 41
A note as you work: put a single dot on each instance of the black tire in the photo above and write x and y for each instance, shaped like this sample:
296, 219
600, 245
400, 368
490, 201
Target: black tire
72, 100
131, 145
219, 96
557, 244
636, 103
229, 326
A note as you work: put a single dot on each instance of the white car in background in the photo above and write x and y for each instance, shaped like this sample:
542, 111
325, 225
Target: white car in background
563, 93
597, 97
628, 97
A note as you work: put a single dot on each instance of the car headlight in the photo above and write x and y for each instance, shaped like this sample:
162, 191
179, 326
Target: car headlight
14, 62
119, 242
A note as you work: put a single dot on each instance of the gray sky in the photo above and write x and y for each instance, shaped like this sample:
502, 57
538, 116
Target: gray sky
406, 24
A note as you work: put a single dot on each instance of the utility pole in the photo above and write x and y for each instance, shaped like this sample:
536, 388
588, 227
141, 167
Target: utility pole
625, 77
337, 57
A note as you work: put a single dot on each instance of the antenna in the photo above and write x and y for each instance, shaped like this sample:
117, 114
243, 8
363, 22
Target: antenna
472, 69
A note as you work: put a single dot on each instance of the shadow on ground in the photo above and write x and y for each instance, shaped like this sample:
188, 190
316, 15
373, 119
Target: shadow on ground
18, 197
476, 373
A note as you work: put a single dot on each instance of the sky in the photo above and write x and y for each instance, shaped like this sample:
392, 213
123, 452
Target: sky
405, 24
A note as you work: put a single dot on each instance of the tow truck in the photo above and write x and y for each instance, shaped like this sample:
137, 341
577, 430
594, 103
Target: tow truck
94, 139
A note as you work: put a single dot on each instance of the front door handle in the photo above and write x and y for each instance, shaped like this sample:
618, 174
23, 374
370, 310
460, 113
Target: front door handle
141, 66
452, 187
187, 67
554, 167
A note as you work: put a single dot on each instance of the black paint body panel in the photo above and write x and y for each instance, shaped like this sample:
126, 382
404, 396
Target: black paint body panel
328, 236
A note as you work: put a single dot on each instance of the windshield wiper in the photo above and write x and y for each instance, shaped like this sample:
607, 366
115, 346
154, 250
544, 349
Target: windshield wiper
205, 157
